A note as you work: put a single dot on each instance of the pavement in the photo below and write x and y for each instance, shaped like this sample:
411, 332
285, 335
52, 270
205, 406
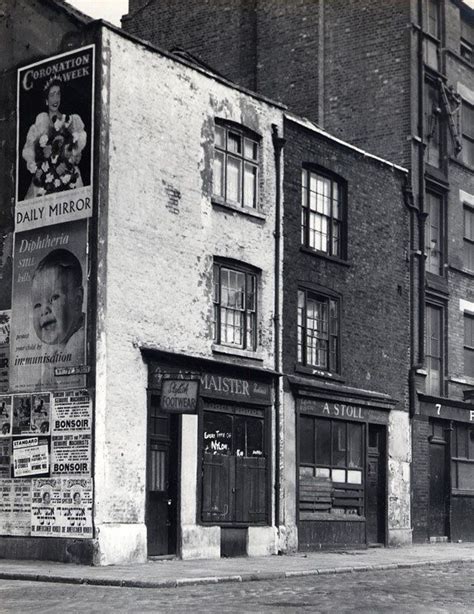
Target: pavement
175, 573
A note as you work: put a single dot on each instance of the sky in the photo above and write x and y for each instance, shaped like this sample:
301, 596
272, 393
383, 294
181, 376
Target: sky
112, 10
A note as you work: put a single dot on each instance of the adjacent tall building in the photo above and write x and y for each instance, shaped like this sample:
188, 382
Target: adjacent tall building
396, 79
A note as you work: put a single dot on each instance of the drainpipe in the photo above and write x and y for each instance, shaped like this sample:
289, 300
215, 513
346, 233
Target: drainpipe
278, 144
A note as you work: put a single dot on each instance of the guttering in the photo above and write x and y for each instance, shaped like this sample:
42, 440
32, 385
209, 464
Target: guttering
278, 144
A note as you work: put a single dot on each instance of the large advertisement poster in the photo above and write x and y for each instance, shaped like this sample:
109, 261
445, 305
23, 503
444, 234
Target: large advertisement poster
55, 136
49, 307
5, 317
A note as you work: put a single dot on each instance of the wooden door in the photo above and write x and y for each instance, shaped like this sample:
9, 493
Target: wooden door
438, 478
162, 483
375, 513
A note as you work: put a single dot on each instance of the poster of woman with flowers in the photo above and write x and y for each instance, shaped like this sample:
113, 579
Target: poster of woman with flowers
54, 146
55, 127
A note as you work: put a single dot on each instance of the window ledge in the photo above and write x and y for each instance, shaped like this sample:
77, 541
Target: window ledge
462, 493
221, 204
327, 375
313, 252
231, 351
465, 381
462, 164
467, 272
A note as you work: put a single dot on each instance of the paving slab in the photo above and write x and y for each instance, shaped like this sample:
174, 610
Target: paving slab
173, 573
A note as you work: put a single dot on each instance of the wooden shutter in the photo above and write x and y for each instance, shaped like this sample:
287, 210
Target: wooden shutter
216, 487
250, 486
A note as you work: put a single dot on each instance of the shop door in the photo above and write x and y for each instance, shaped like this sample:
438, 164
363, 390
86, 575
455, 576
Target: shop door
438, 477
162, 479
375, 513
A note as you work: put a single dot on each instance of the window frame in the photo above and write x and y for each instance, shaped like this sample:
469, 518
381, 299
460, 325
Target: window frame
246, 135
429, 350
468, 241
466, 41
439, 239
433, 123
432, 35
250, 274
321, 296
465, 458
467, 133
332, 219
468, 345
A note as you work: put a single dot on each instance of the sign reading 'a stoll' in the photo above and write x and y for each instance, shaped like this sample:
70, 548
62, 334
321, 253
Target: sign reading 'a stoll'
179, 396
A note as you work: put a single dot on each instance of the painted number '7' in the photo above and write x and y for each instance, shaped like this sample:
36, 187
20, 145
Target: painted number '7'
438, 408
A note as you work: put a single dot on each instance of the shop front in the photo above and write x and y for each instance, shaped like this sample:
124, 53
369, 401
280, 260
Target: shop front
341, 472
449, 438
209, 470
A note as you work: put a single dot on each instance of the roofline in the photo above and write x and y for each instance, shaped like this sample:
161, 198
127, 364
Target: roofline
188, 63
309, 125
69, 10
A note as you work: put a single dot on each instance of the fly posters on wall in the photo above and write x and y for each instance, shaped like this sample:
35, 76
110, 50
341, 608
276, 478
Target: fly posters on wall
54, 140
48, 328
71, 434
30, 457
5, 458
6, 416
5, 317
15, 507
46, 507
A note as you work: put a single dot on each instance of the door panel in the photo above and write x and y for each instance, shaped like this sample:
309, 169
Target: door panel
375, 513
437, 515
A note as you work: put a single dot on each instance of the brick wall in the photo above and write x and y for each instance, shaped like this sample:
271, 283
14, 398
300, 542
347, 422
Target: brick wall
374, 282
420, 478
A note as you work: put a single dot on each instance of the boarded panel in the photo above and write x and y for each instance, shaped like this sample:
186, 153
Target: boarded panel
250, 482
216, 487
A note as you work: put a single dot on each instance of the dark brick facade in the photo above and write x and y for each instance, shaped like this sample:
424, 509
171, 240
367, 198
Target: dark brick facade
372, 283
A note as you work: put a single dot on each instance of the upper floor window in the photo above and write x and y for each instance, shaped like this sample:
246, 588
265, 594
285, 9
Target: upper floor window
467, 120
236, 158
469, 345
434, 347
434, 233
467, 40
431, 26
318, 331
235, 307
469, 238
433, 124
321, 213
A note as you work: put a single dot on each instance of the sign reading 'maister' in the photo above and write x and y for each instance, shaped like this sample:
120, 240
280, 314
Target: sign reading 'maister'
179, 396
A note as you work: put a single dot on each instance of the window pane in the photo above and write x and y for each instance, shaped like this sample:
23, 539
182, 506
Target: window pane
469, 362
301, 318
354, 444
218, 175
354, 477
339, 444
465, 476
323, 442
217, 433
338, 475
234, 142
220, 137
250, 185
470, 442
322, 472
234, 179
306, 440
255, 440
250, 149
461, 440
433, 234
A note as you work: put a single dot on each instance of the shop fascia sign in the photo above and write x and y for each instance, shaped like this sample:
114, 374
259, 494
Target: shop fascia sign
179, 396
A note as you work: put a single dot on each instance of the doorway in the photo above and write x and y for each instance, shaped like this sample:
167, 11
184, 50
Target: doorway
438, 481
375, 514
162, 481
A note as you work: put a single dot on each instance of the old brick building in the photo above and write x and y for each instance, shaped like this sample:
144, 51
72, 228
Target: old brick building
397, 79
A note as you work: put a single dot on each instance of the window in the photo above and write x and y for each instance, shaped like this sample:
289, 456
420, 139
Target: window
234, 466
331, 462
462, 466
321, 213
469, 345
434, 234
236, 166
467, 40
433, 338
432, 28
467, 119
433, 124
235, 307
318, 331
469, 238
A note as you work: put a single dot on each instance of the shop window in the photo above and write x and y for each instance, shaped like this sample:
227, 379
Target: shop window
322, 213
433, 124
331, 462
467, 121
234, 467
467, 40
469, 238
434, 233
431, 26
235, 307
462, 464
434, 348
469, 345
318, 331
236, 160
